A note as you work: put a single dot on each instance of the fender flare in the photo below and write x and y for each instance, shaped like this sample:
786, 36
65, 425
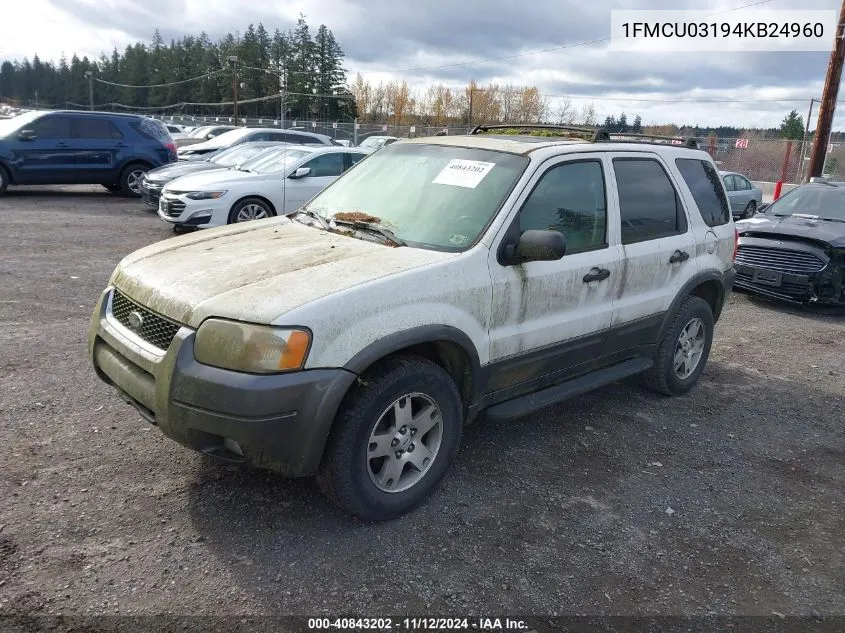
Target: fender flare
686, 291
393, 343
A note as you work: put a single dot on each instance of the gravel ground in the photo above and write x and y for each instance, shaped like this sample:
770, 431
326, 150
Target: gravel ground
730, 500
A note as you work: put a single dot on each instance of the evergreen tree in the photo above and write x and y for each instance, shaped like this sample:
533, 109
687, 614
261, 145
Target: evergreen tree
792, 126
637, 126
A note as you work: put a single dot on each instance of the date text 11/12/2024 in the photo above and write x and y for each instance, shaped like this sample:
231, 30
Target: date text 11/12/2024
418, 624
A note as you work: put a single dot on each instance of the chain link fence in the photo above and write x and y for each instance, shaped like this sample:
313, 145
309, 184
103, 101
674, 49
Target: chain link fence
339, 130
759, 159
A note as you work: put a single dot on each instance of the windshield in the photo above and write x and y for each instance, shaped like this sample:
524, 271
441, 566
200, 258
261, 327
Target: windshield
200, 131
432, 196
236, 155
825, 201
18, 123
275, 161
373, 142
226, 139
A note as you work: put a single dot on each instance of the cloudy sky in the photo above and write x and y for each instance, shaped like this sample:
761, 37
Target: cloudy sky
452, 42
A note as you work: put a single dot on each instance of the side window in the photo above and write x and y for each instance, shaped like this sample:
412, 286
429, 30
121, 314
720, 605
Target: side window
354, 157
730, 184
742, 184
649, 206
569, 198
52, 127
258, 136
94, 128
326, 165
706, 188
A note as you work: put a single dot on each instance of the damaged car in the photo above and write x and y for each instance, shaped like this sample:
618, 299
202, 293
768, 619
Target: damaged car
794, 248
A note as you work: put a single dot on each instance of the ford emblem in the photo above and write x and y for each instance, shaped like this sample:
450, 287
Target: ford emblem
136, 320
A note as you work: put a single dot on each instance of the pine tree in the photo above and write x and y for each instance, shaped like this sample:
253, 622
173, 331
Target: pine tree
792, 126
637, 127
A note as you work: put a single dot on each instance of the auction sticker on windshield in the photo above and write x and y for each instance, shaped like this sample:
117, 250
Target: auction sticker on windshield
463, 173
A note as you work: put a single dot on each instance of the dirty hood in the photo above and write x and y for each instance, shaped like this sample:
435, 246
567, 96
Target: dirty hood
769, 225
256, 271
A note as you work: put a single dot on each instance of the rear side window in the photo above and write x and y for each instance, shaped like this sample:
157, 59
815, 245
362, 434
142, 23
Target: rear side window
151, 129
94, 128
649, 206
706, 188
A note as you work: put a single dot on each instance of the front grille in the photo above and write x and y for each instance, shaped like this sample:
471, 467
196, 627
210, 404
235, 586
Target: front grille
172, 208
150, 196
782, 260
155, 329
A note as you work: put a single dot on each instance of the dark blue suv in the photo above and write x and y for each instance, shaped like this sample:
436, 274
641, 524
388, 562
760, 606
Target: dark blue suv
82, 148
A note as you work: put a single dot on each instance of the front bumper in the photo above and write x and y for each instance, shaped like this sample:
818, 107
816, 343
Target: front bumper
198, 213
815, 288
150, 193
277, 422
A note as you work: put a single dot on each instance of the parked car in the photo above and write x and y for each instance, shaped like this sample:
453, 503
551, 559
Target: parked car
439, 278
744, 197
202, 134
82, 148
373, 143
246, 135
794, 249
276, 183
155, 179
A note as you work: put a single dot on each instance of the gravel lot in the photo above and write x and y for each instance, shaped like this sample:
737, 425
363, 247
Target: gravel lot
730, 500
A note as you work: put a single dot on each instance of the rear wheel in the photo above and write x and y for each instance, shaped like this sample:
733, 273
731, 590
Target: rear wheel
750, 210
684, 349
393, 440
130, 179
250, 209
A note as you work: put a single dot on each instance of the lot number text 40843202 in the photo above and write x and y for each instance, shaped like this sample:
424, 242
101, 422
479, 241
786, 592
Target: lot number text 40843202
418, 624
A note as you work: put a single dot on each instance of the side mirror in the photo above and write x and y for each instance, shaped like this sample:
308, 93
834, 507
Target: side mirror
301, 172
763, 207
27, 135
536, 246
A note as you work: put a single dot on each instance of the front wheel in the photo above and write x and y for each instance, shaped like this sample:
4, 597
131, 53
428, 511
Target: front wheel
250, 209
750, 210
393, 440
4, 180
684, 349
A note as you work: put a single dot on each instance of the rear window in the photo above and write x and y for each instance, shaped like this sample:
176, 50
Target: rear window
151, 129
706, 188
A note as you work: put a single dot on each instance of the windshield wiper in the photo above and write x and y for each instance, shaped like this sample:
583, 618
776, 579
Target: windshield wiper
373, 228
316, 216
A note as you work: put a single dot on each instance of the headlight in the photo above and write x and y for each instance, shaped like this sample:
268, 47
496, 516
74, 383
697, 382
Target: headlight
205, 195
257, 349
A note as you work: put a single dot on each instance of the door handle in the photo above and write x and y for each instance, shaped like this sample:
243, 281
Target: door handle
596, 274
61, 144
678, 256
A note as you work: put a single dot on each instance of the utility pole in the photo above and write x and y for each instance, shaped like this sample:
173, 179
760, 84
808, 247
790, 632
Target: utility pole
233, 60
800, 175
90, 76
828, 103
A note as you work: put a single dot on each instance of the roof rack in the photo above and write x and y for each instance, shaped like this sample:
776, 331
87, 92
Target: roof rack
689, 142
589, 133
594, 135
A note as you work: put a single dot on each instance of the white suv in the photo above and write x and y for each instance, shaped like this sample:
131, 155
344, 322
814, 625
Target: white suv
435, 280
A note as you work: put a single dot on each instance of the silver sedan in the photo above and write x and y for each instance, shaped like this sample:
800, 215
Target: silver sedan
744, 197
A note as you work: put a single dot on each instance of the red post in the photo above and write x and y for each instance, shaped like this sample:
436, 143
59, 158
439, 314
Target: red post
783, 169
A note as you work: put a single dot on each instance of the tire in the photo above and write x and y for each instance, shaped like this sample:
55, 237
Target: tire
350, 472
179, 229
130, 183
663, 376
750, 210
4, 180
113, 188
257, 208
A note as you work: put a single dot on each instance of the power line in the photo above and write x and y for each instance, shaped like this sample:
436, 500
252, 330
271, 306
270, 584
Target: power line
172, 83
545, 50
